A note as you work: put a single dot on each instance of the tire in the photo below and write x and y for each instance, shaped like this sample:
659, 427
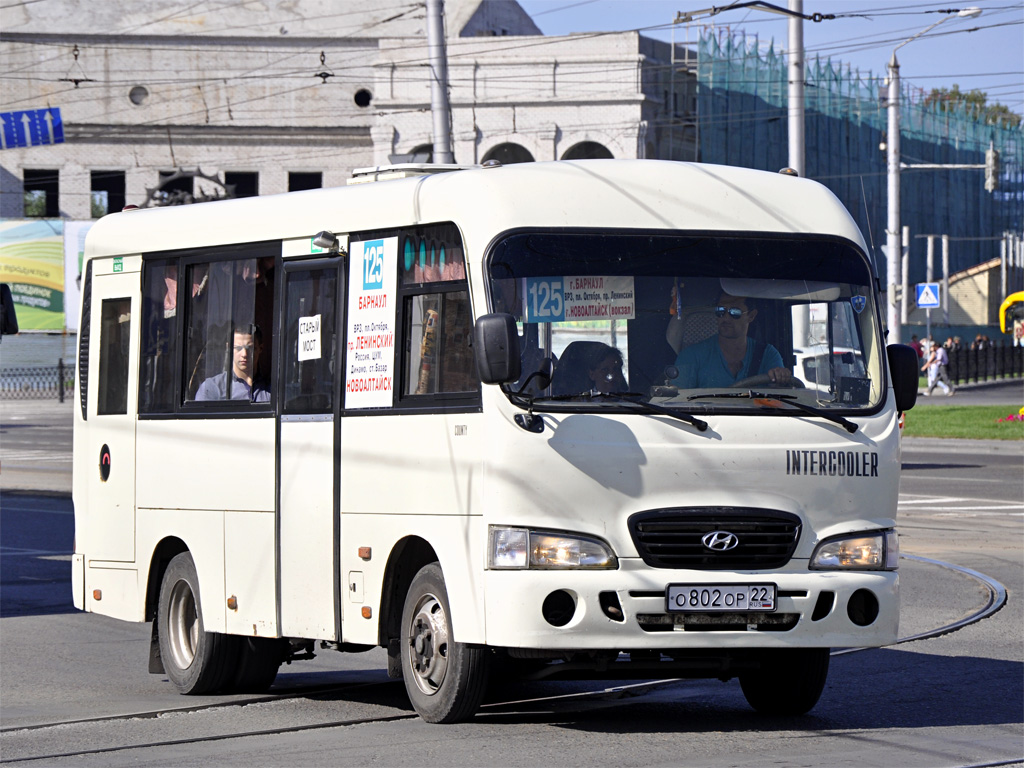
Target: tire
445, 680
790, 682
195, 661
258, 661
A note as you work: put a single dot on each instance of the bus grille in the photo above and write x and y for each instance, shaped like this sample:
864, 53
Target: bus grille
673, 538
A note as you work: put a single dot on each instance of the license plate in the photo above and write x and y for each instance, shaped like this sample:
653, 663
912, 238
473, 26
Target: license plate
728, 598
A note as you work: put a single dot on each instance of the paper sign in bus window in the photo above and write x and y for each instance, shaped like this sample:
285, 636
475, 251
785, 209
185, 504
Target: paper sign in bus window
309, 338
370, 345
579, 297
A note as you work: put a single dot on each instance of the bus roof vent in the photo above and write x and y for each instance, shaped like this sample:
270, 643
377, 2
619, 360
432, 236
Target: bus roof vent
402, 171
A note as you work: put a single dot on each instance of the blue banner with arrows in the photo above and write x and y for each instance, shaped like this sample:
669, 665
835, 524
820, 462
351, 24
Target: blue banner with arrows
31, 128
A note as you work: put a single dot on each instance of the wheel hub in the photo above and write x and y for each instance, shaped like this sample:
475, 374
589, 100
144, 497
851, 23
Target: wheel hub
428, 642
183, 625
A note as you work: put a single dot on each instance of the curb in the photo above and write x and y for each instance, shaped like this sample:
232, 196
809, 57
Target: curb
963, 445
975, 385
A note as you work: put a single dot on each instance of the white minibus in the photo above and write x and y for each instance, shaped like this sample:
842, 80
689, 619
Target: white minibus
543, 419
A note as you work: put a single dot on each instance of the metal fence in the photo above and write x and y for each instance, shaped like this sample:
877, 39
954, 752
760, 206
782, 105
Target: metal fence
38, 382
41, 382
993, 362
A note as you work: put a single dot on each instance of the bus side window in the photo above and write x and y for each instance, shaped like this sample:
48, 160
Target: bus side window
209, 308
437, 354
310, 337
115, 331
159, 336
225, 296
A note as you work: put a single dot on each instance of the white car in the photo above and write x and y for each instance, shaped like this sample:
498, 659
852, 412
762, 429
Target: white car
813, 369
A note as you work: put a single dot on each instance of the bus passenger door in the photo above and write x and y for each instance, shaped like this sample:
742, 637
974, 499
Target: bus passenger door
308, 462
109, 439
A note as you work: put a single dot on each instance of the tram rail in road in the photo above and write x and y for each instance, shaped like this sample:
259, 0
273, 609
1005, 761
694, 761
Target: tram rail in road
996, 600
918, 513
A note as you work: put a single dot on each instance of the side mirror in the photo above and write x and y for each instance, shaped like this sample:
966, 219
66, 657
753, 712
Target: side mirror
496, 347
542, 376
8, 317
904, 372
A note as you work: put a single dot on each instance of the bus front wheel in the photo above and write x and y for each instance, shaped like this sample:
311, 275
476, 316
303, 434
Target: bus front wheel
789, 682
196, 661
445, 680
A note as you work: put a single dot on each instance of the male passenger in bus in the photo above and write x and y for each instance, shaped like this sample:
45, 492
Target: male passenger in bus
729, 357
238, 383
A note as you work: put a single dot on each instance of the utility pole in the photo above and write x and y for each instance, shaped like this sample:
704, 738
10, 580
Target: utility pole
796, 87
905, 275
892, 229
440, 109
796, 157
930, 277
945, 279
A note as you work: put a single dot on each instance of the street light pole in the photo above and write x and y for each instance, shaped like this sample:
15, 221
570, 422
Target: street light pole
439, 107
892, 230
796, 87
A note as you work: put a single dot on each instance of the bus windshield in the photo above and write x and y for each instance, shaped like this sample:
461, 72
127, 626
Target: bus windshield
690, 320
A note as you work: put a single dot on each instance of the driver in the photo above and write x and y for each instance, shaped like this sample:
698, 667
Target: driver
729, 357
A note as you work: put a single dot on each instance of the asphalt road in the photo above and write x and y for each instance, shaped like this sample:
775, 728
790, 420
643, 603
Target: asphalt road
75, 689
76, 684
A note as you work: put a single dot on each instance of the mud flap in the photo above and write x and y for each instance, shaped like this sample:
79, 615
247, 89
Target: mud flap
156, 664
394, 658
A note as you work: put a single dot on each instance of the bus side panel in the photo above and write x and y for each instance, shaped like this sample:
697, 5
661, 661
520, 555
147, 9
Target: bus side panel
104, 479
307, 529
113, 592
423, 474
458, 542
210, 463
202, 531
249, 573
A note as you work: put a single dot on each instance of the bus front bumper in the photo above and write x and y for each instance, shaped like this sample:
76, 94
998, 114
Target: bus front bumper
628, 609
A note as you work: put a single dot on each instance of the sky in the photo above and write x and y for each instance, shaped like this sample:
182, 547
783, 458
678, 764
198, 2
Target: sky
990, 58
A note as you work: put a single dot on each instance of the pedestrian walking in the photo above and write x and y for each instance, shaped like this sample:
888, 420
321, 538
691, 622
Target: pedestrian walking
936, 367
917, 347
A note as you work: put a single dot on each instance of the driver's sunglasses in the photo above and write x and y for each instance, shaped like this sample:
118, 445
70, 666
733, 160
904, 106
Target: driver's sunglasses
734, 312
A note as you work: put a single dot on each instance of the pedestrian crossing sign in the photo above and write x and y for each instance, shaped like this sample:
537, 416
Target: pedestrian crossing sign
928, 295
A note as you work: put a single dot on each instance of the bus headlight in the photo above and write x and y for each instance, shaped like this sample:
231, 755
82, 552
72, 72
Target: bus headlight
876, 551
525, 548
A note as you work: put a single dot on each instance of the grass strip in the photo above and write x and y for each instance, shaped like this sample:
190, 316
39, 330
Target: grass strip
974, 422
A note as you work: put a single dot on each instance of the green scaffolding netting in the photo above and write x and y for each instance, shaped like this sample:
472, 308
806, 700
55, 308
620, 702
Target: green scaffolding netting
742, 108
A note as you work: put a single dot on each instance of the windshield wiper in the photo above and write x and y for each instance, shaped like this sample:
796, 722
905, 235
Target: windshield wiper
791, 400
618, 397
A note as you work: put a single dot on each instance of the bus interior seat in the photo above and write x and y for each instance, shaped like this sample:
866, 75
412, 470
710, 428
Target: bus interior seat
695, 325
572, 370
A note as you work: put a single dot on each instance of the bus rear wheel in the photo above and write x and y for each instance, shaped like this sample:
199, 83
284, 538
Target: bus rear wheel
195, 661
789, 682
445, 680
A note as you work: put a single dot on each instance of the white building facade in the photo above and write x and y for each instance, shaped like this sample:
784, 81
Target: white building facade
163, 105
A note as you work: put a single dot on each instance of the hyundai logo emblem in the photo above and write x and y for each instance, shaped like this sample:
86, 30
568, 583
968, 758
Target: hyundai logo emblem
720, 541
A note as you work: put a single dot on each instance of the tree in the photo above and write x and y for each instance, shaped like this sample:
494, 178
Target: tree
975, 102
